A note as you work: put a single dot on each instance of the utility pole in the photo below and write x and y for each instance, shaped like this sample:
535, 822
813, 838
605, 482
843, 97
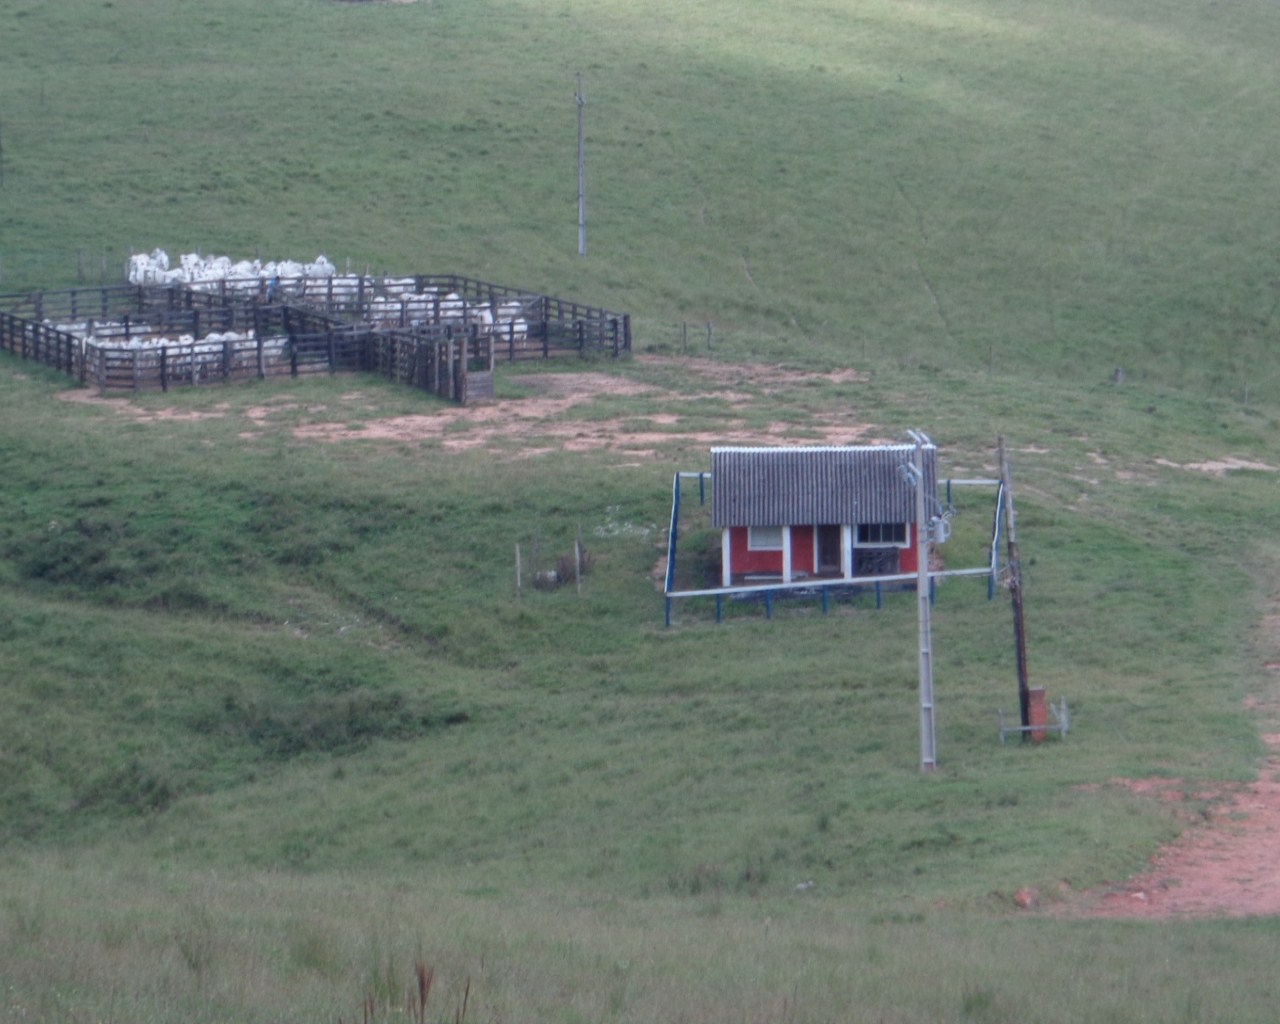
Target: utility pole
928, 744
1015, 591
582, 172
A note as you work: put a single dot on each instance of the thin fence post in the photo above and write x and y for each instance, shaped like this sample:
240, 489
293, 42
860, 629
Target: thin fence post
577, 558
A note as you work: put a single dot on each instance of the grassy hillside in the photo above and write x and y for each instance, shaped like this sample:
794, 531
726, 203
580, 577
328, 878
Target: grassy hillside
279, 726
1033, 188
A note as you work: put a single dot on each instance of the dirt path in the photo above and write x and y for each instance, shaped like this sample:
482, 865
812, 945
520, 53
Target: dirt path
1227, 867
1229, 864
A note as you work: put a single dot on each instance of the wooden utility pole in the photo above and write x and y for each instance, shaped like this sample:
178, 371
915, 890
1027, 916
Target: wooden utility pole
1015, 590
582, 172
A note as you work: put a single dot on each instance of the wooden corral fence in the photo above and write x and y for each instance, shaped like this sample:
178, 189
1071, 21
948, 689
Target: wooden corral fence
554, 326
450, 361
31, 339
137, 337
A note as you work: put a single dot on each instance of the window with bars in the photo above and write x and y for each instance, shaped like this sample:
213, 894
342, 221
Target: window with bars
883, 534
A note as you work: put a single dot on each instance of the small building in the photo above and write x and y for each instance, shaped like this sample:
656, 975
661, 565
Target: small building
822, 513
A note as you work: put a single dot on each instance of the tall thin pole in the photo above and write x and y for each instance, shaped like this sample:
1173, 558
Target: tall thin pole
1015, 590
928, 745
582, 172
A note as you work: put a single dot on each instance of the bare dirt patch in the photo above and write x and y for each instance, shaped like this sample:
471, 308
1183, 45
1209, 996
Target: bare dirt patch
1220, 467
549, 418
125, 407
553, 414
1227, 866
1227, 862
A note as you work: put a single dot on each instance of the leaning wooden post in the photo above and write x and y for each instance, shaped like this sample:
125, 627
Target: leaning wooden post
1015, 591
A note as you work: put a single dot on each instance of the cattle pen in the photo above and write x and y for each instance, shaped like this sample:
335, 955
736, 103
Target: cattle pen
440, 333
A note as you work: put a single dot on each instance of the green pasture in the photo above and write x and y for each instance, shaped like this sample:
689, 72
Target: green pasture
279, 727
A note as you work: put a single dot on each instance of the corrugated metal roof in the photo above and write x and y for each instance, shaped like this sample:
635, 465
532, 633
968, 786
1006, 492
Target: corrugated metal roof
816, 485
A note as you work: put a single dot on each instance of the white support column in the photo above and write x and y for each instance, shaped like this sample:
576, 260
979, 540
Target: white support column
846, 551
928, 743
726, 570
786, 554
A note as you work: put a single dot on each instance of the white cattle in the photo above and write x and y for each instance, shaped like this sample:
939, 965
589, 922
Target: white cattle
453, 308
320, 268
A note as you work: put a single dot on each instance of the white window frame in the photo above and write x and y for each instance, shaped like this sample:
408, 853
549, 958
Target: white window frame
756, 543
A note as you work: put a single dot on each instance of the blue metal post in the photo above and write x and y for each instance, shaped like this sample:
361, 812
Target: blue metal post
719, 607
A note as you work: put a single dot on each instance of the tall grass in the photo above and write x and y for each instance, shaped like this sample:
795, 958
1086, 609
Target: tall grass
268, 948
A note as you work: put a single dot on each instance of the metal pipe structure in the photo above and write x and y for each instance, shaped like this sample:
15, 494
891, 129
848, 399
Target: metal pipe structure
928, 741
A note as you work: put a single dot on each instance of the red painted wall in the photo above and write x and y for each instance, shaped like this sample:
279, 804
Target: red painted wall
907, 560
802, 550
743, 561
746, 561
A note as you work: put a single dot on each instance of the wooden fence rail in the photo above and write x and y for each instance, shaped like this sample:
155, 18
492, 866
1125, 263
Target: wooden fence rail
139, 337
